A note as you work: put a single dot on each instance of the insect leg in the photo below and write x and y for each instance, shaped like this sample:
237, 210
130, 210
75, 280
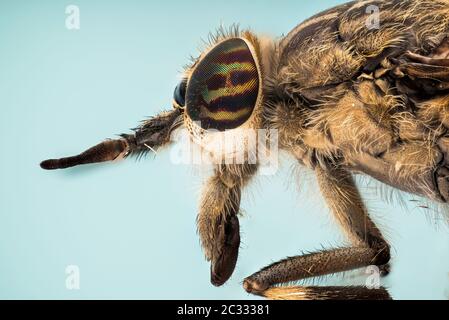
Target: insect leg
152, 134
443, 62
369, 248
426, 71
430, 73
218, 224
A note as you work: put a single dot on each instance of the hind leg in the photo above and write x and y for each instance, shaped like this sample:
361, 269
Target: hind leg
369, 248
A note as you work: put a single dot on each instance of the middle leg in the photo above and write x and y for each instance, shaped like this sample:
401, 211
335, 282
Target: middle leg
369, 248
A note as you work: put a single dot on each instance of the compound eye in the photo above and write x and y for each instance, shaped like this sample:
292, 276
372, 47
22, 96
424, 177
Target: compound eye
223, 89
179, 96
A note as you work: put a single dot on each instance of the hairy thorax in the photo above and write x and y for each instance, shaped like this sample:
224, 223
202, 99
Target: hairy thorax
340, 101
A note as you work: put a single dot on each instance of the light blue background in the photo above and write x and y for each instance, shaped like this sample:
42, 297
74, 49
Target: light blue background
130, 227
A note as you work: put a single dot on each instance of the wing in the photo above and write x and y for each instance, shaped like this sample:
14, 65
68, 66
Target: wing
402, 42
377, 89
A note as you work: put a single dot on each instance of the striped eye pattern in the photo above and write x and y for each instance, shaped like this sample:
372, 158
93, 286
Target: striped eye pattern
223, 89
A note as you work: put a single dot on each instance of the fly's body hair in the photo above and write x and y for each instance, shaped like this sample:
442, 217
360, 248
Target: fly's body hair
346, 101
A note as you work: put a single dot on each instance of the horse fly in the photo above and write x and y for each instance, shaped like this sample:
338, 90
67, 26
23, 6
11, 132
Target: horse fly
344, 97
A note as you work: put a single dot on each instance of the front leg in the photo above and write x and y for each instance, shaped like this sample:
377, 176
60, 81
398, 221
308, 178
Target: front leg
369, 248
218, 224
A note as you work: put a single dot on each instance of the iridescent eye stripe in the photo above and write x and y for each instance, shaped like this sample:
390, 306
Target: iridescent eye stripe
223, 89
226, 115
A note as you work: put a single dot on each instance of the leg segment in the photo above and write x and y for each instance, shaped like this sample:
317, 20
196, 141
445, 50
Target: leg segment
218, 224
425, 74
152, 134
343, 198
326, 293
427, 71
